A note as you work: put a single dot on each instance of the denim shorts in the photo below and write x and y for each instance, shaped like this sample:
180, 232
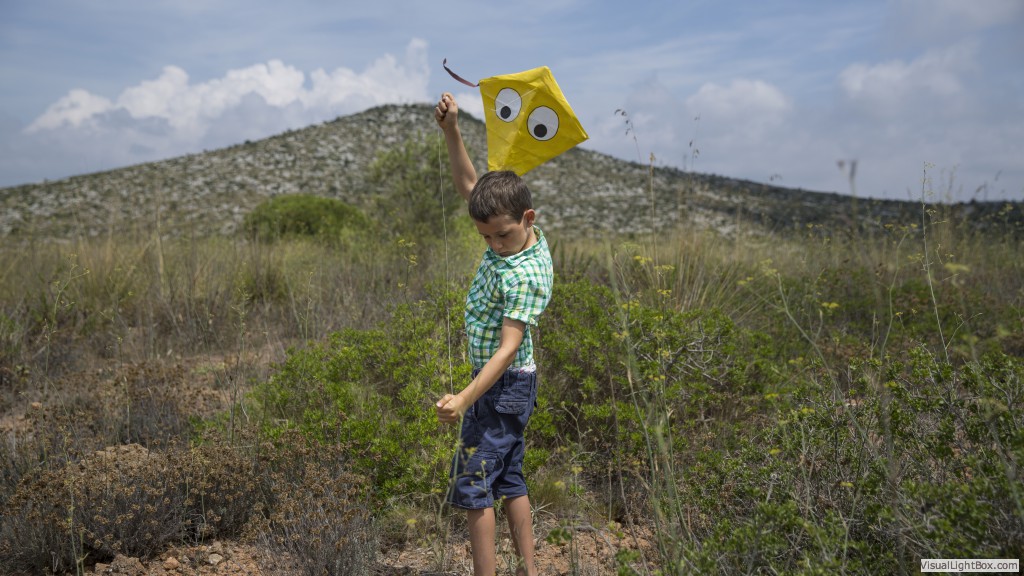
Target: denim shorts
488, 465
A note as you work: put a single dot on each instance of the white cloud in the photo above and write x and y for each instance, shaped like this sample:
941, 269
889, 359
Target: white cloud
893, 86
746, 104
74, 109
171, 115
387, 80
740, 128
190, 108
747, 128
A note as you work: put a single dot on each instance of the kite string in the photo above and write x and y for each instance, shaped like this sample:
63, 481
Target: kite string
447, 273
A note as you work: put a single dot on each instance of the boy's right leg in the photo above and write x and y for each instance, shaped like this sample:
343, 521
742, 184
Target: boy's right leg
520, 524
481, 538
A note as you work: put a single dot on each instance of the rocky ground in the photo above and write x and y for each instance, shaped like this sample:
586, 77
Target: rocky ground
591, 552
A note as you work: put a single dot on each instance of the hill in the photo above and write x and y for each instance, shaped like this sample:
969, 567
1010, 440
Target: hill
582, 190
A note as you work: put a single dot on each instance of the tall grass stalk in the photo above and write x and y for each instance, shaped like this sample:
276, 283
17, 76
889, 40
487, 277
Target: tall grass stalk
927, 264
650, 409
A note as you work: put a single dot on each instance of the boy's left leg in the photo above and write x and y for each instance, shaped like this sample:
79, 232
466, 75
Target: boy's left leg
481, 538
520, 524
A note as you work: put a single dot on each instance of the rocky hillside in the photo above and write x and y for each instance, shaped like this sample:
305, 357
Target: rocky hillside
583, 191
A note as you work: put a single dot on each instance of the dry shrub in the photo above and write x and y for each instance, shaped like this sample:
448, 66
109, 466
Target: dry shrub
228, 485
320, 516
127, 500
124, 499
132, 500
140, 404
72, 507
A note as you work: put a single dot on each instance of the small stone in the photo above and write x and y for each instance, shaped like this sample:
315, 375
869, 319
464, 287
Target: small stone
215, 559
100, 568
171, 563
127, 565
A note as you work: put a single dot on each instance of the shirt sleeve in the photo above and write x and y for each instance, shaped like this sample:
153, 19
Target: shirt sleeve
525, 301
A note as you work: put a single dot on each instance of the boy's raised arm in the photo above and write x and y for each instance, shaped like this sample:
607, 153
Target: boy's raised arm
463, 173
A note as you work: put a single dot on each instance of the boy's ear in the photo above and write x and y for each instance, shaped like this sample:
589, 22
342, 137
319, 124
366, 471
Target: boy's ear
529, 216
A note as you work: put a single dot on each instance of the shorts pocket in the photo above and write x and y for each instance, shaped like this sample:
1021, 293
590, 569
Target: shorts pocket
516, 394
474, 478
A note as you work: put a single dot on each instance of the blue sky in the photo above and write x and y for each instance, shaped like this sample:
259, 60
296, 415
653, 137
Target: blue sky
926, 95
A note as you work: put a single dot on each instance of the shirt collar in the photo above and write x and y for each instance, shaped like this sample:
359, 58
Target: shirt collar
515, 259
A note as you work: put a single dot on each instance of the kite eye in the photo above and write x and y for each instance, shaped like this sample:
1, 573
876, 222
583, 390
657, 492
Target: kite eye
543, 123
507, 104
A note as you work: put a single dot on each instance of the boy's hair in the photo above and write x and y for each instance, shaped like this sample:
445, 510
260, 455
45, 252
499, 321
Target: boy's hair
501, 192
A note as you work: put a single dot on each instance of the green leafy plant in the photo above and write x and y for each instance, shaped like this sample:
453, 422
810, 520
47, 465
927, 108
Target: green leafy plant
375, 389
304, 215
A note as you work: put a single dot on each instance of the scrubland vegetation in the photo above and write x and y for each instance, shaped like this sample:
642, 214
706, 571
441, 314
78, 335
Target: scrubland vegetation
811, 400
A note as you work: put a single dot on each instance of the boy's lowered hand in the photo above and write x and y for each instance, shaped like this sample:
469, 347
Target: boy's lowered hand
450, 408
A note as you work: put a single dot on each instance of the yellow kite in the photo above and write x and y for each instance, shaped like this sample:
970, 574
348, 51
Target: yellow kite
528, 119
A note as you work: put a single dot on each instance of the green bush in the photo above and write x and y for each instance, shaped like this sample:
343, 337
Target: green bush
375, 389
303, 215
693, 365
918, 461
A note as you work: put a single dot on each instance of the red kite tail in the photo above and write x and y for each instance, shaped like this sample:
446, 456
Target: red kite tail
457, 77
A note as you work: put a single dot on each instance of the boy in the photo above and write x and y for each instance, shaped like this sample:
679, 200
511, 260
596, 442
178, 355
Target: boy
511, 288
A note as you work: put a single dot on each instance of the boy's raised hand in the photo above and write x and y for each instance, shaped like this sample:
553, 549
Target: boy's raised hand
463, 173
447, 111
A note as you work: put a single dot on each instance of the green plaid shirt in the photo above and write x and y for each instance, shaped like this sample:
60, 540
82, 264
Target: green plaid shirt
517, 287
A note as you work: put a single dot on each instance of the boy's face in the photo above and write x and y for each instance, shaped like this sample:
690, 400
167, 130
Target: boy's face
505, 235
